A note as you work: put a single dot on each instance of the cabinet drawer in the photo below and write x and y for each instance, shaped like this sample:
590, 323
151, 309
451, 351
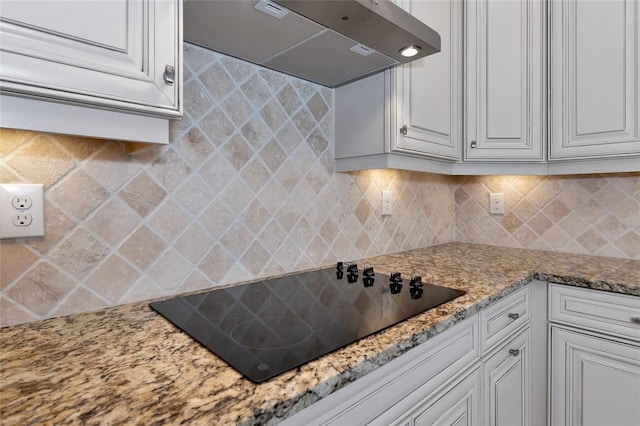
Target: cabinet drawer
612, 313
503, 318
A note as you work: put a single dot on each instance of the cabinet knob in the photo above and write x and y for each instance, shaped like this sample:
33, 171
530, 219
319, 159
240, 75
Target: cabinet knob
474, 145
169, 74
635, 320
514, 315
403, 130
514, 352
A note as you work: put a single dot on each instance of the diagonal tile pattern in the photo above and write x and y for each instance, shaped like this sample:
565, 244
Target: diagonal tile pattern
595, 214
245, 189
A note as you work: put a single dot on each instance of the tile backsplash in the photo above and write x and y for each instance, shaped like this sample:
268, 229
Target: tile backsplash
247, 189
594, 214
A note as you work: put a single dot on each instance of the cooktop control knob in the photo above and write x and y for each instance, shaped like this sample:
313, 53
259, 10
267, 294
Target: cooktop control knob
416, 287
339, 270
352, 273
394, 284
368, 276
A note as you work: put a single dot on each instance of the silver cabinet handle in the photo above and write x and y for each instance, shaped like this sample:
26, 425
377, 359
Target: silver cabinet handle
514, 315
474, 145
514, 352
635, 320
403, 130
169, 74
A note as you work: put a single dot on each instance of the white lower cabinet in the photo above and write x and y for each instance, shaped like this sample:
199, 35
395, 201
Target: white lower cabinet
408, 383
595, 357
507, 383
457, 404
594, 380
545, 354
447, 380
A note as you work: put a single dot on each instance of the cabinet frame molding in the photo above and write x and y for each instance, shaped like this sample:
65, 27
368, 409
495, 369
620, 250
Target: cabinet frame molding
58, 78
567, 140
529, 143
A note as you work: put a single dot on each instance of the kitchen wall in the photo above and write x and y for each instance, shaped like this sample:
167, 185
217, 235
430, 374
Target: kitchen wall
247, 189
591, 214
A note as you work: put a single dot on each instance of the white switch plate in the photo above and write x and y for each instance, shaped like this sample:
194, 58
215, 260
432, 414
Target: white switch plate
496, 203
21, 210
387, 203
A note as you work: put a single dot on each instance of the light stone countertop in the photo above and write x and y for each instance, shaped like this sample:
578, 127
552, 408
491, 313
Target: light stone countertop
128, 364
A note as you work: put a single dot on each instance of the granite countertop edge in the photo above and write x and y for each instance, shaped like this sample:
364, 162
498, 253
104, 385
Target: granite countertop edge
192, 385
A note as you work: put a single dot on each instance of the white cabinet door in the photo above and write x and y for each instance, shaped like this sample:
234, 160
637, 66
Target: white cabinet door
507, 382
111, 53
458, 404
505, 69
429, 90
594, 381
595, 52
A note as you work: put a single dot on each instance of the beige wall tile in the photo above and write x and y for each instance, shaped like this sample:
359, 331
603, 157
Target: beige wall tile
113, 278
12, 312
169, 220
143, 247
170, 270
40, 160
565, 213
216, 264
79, 253
169, 169
11, 139
143, 289
80, 300
194, 243
113, 221
111, 167
58, 224
142, 194
42, 288
78, 193
247, 189
16, 259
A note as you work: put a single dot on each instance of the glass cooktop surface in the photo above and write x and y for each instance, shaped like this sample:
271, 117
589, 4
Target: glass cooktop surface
266, 328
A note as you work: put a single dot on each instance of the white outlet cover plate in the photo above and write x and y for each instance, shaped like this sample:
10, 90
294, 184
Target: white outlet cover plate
35, 192
496, 203
387, 203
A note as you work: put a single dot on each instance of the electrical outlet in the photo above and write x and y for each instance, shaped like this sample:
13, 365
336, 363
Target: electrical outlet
496, 203
22, 219
21, 210
387, 203
21, 202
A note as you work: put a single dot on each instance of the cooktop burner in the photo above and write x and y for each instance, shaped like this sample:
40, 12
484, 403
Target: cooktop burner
266, 328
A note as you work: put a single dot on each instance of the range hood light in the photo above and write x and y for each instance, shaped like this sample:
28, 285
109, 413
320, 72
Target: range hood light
410, 51
310, 39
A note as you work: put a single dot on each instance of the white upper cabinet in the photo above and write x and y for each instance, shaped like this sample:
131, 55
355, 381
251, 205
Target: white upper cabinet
429, 90
543, 81
409, 117
122, 56
594, 72
505, 69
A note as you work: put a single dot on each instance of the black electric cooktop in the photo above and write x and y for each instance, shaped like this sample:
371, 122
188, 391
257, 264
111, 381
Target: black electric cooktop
266, 328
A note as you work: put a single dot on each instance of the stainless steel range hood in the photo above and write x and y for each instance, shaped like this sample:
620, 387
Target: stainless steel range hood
330, 42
